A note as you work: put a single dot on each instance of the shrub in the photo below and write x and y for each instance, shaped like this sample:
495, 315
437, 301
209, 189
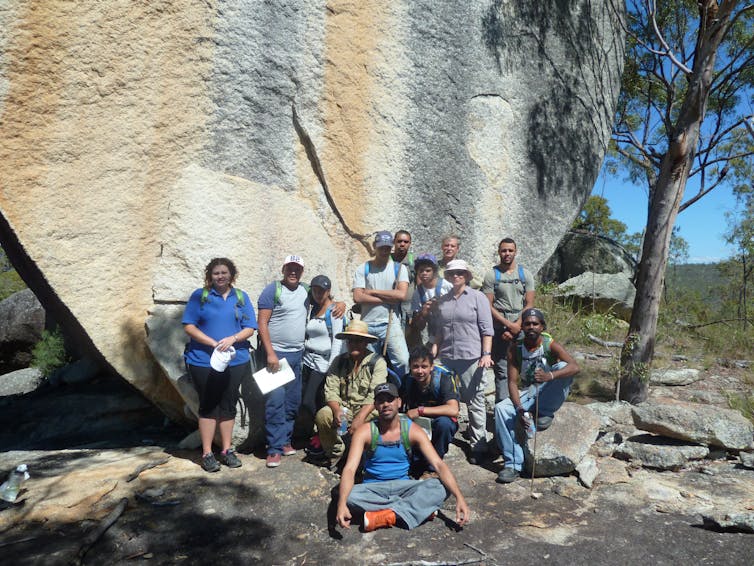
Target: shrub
10, 282
49, 353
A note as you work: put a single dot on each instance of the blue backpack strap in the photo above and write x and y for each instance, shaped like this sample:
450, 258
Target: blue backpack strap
437, 373
522, 277
328, 321
438, 289
498, 277
366, 272
397, 269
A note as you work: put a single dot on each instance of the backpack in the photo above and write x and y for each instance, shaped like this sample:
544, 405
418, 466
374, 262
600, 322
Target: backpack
240, 302
392, 375
436, 380
328, 320
546, 341
396, 267
239, 296
499, 276
279, 291
423, 292
405, 426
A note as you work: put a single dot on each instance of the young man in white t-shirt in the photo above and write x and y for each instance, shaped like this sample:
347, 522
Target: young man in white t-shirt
379, 286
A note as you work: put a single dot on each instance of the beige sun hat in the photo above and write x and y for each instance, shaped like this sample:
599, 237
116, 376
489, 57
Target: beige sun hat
459, 265
357, 328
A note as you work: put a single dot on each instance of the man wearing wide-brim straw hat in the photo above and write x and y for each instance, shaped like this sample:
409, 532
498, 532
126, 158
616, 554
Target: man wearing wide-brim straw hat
349, 385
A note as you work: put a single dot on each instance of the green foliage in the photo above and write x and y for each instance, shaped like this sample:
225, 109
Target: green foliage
49, 353
654, 89
596, 217
10, 282
744, 404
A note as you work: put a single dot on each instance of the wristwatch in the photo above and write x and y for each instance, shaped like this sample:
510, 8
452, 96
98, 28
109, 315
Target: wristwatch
486, 353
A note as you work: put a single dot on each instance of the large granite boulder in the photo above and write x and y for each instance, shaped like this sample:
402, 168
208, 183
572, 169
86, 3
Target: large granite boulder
580, 251
22, 320
141, 140
694, 422
602, 292
561, 447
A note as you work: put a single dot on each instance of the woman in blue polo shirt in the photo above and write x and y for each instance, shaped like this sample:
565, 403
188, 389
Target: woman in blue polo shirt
218, 317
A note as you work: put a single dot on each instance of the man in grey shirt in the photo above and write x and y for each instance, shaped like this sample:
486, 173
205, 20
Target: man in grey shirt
380, 286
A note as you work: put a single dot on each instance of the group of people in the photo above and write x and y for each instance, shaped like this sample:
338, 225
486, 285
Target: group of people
426, 334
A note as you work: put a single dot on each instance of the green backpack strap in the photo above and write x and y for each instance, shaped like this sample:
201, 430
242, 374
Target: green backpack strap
375, 436
239, 296
405, 427
279, 291
405, 441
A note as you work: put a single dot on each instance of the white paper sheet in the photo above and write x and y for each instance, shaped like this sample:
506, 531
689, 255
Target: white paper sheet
268, 381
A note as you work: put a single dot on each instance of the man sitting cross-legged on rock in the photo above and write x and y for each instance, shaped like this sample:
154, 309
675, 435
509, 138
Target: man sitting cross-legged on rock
349, 386
432, 392
546, 370
388, 496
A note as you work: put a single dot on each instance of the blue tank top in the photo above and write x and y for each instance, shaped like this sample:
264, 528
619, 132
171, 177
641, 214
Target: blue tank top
389, 461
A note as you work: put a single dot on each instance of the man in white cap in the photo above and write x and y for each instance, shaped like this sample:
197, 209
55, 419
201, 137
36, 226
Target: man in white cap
283, 307
349, 384
380, 286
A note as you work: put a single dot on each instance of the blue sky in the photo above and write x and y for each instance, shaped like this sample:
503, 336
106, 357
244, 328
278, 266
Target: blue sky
702, 224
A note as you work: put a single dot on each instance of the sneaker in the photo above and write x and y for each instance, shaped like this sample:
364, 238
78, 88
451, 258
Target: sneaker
273, 460
507, 475
383, 518
209, 463
543, 423
288, 450
230, 459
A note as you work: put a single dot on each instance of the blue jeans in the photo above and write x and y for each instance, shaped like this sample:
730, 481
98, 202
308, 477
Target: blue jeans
443, 431
552, 395
281, 406
397, 351
412, 500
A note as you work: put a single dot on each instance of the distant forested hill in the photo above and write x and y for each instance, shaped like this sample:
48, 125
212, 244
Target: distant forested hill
702, 278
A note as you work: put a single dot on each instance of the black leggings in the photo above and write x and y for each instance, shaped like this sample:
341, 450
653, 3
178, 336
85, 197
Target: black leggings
218, 391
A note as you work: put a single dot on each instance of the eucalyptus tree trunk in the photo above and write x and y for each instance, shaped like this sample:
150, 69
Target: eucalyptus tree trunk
664, 201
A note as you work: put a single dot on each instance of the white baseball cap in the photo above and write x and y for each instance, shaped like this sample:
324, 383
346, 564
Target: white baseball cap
297, 259
220, 360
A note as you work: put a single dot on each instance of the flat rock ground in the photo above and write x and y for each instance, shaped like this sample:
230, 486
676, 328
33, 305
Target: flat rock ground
176, 513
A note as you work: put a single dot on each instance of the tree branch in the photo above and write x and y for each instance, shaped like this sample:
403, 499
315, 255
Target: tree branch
652, 11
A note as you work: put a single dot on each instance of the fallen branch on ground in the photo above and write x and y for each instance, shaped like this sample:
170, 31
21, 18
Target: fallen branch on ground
96, 533
145, 467
605, 343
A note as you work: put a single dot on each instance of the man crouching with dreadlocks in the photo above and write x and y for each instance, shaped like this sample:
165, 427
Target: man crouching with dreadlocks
388, 495
546, 370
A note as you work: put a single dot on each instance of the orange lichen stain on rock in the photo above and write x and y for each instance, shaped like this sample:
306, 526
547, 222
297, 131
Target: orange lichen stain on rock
350, 47
106, 105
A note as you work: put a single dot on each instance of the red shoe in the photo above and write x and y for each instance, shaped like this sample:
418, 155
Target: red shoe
273, 460
381, 519
288, 450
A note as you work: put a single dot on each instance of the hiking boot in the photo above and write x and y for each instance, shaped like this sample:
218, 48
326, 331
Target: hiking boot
209, 463
507, 475
273, 460
477, 458
315, 447
383, 518
230, 459
288, 450
543, 423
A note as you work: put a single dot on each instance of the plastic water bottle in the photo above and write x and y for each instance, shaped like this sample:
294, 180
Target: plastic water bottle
343, 428
531, 426
10, 488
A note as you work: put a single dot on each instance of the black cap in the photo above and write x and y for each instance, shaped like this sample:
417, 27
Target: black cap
536, 313
321, 281
388, 388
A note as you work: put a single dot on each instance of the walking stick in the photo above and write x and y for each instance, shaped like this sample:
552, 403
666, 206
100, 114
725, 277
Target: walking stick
534, 461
